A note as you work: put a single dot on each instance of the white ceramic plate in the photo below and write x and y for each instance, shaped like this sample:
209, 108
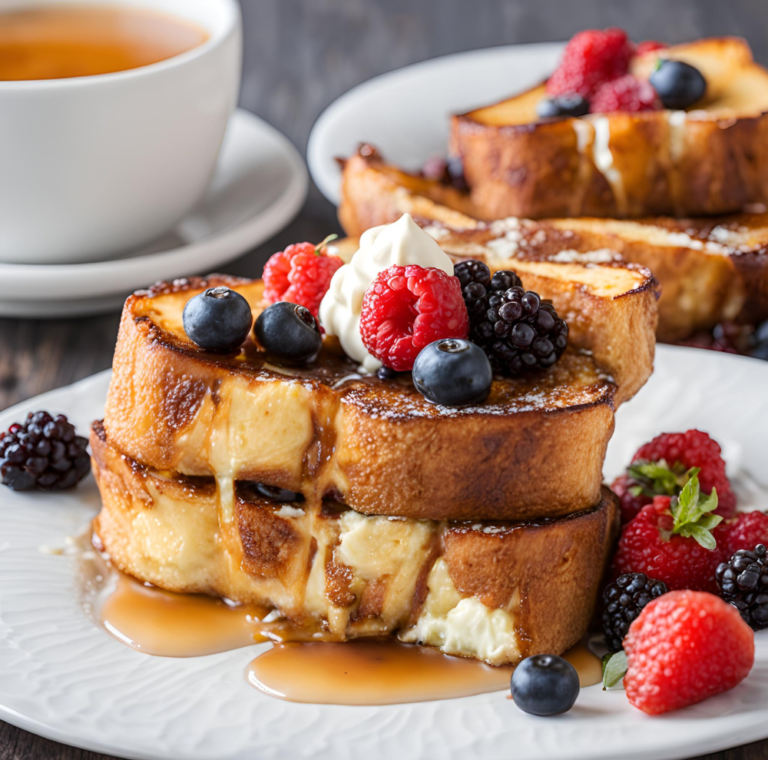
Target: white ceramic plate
405, 113
64, 678
259, 186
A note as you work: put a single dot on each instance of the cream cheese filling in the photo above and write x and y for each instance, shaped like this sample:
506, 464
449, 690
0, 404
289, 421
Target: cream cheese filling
463, 625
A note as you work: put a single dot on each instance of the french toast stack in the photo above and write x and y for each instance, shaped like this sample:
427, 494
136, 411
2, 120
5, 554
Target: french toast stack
350, 505
592, 188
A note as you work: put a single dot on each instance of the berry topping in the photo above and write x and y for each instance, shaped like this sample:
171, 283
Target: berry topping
624, 599
43, 452
564, 105
745, 531
407, 308
453, 372
627, 93
648, 46
275, 493
660, 468
589, 59
672, 540
743, 582
517, 330
545, 685
448, 171
683, 648
289, 332
631, 497
300, 274
218, 320
678, 84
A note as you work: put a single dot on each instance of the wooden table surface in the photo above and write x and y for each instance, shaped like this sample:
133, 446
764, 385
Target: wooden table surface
299, 56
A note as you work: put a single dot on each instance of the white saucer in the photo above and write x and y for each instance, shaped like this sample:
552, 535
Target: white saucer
63, 677
259, 186
405, 113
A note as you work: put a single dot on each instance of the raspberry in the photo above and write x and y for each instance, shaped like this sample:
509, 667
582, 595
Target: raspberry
648, 46
684, 647
406, 309
44, 452
674, 540
627, 93
300, 274
589, 59
745, 532
676, 453
631, 503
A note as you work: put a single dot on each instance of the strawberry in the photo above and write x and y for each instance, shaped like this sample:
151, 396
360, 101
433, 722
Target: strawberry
673, 540
684, 647
661, 468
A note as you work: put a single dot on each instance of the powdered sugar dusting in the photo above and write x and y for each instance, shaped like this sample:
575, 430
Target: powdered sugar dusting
599, 256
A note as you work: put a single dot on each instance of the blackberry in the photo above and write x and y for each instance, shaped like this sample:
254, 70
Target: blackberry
43, 452
623, 600
517, 330
743, 582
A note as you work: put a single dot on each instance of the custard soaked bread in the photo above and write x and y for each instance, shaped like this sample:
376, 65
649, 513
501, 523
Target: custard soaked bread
710, 269
710, 159
534, 449
489, 590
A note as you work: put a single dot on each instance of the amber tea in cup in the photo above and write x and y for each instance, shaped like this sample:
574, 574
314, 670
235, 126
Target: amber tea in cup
64, 41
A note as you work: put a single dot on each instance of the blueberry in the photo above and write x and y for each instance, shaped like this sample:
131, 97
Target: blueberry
545, 685
217, 319
290, 332
275, 493
678, 84
453, 372
564, 105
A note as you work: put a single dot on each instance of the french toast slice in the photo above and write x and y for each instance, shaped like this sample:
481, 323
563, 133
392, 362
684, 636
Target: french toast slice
710, 270
712, 159
535, 448
489, 590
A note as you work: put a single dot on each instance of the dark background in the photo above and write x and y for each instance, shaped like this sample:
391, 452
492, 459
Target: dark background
299, 56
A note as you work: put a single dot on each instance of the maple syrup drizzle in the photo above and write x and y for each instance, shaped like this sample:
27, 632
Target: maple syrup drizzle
366, 672
302, 665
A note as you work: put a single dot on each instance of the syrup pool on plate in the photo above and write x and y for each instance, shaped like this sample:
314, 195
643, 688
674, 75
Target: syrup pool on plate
177, 625
365, 672
298, 667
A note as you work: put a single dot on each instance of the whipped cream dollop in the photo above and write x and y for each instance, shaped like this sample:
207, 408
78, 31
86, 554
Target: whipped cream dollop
403, 242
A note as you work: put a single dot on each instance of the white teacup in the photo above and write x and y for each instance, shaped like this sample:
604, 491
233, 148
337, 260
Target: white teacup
96, 166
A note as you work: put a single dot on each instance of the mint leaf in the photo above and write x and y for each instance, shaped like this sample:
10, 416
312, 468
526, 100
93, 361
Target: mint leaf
702, 536
691, 513
657, 478
614, 669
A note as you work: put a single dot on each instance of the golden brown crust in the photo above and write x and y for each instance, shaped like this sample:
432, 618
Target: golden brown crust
535, 448
620, 165
166, 530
